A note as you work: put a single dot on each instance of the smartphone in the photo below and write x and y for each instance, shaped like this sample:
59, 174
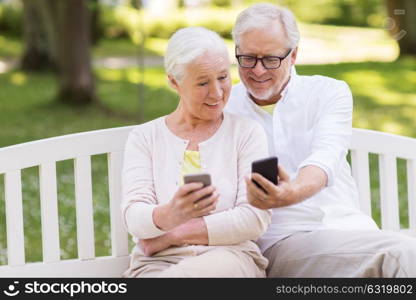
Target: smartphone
205, 178
266, 167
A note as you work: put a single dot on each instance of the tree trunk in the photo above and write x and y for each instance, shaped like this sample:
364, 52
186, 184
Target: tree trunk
70, 37
403, 25
36, 55
96, 29
58, 32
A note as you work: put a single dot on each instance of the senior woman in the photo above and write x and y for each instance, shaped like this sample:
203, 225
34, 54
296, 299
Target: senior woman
196, 137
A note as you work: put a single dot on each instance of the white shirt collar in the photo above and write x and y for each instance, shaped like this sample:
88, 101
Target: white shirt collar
290, 84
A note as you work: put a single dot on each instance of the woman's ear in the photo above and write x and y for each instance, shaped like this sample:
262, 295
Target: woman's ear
172, 82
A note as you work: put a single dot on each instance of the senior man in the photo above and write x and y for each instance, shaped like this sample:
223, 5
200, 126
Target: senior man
317, 227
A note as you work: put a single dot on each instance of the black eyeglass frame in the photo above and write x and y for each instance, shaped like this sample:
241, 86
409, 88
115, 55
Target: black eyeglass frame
261, 59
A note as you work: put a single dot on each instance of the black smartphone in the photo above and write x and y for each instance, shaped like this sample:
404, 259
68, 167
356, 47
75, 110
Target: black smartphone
266, 167
205, 178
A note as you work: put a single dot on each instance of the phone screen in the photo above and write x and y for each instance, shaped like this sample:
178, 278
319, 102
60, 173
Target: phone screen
266, 167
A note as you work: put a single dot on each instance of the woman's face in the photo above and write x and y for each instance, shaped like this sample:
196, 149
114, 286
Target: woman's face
205, 87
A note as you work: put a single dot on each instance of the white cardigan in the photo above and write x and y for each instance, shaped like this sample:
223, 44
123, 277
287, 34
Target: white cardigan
152, 162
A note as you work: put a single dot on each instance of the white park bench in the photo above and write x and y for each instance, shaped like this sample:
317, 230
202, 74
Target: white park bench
80, 147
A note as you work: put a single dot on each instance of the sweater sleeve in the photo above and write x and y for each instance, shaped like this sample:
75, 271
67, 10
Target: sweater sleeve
138, 194
244, 221
332, 134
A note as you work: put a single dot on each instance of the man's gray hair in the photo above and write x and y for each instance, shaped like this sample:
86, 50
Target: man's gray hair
187, 44
262, 15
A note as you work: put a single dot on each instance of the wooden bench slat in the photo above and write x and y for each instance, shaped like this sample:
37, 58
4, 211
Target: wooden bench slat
361, 174
107, 266
49, 212
62, 148
388, 192
84, 207
411, 192
14, 218
381, 142
119, 235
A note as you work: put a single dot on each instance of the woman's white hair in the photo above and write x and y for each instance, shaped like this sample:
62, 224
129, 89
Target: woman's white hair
262, 15
189, 43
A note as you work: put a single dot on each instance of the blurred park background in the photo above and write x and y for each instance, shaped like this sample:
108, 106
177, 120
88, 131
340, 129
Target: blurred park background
68, 66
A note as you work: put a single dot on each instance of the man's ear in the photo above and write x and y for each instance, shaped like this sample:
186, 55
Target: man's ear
172, 82
293, 56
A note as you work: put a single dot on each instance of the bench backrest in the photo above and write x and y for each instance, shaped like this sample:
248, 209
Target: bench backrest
80, 147
45, 153
389, 148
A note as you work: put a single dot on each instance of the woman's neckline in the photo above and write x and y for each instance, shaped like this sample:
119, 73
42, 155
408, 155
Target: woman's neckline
216, 133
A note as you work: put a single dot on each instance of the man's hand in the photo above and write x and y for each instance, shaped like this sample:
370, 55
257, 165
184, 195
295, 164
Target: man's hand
310, 180
283, 194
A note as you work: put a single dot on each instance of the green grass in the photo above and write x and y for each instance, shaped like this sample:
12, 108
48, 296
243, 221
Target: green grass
384, 97
10, 47
28, 111
123, 47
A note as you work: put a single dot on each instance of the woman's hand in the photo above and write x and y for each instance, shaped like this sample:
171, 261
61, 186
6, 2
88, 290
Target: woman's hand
193, 232
190, 201
157, 244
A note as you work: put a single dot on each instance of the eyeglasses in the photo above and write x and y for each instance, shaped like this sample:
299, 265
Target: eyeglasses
268, 62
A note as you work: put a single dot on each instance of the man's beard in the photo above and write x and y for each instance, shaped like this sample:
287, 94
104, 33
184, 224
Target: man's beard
262, 96
269, 94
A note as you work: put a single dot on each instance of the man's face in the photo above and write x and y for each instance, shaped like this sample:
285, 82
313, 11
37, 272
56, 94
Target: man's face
265, 84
